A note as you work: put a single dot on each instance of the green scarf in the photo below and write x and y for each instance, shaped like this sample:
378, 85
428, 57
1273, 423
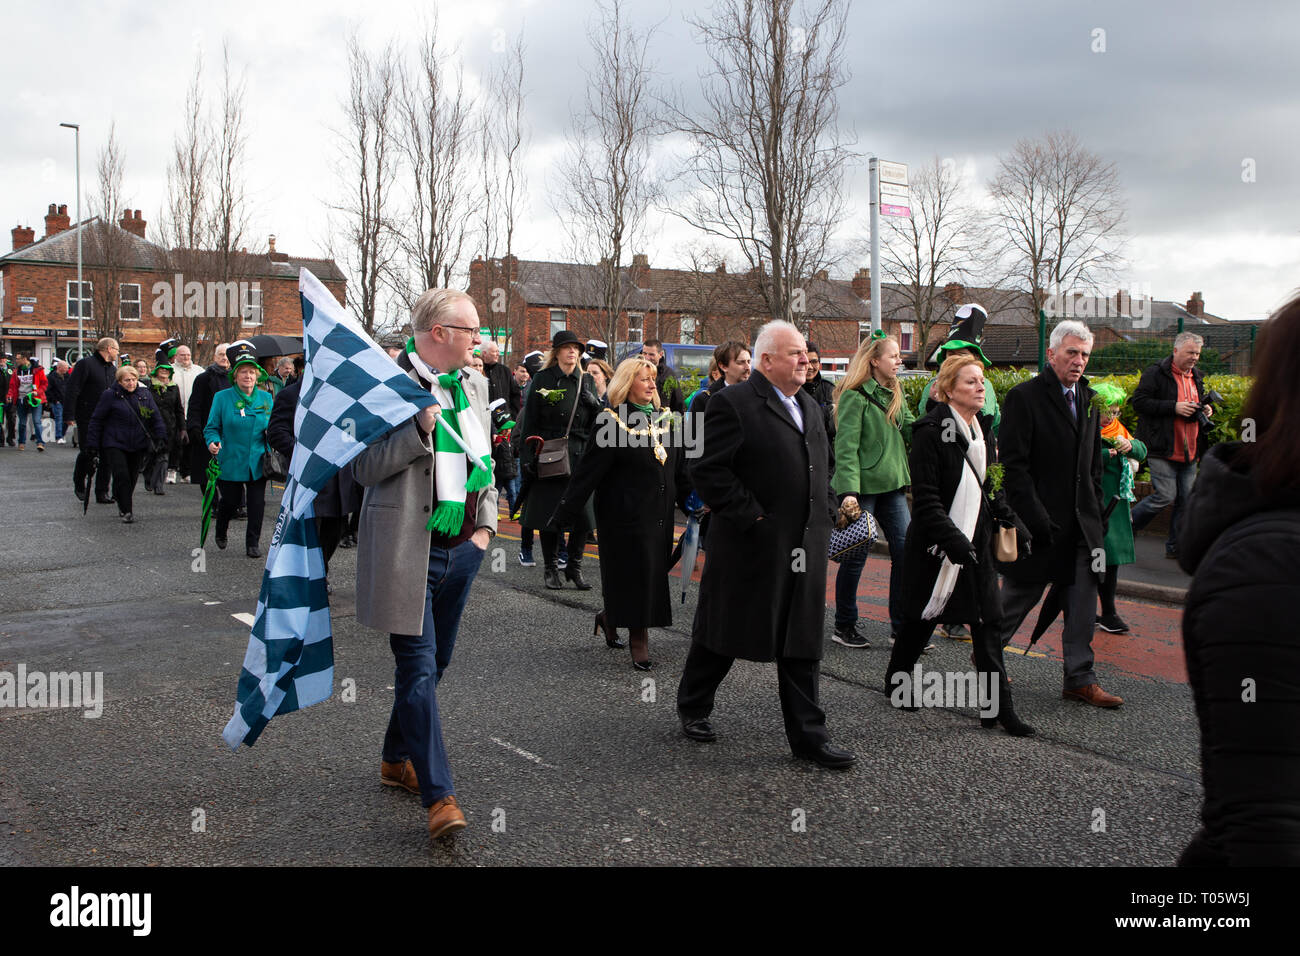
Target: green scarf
453, 476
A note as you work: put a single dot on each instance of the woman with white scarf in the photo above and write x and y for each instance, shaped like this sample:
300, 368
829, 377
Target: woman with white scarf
957, 507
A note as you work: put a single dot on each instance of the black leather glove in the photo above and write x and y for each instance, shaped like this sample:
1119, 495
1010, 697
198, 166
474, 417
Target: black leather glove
961, 552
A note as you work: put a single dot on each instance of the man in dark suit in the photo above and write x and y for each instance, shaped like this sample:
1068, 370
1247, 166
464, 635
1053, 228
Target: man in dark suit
1050, 447
763, 473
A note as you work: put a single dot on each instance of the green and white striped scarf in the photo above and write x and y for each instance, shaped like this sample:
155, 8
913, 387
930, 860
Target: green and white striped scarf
453, 474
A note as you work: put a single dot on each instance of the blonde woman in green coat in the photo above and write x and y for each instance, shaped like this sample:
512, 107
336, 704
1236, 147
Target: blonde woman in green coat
873, 428
1120, 455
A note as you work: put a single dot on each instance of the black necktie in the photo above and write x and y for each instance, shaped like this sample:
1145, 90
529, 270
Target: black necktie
1069, 400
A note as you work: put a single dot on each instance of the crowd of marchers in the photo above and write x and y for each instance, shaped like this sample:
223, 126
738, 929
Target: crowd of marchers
984, 509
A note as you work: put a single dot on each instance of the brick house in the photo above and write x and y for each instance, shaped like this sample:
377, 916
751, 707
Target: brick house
158, 293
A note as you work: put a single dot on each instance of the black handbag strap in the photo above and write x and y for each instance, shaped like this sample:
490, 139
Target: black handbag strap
880, 405
577, 397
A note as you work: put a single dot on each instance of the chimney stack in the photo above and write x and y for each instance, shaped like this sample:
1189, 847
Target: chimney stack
1196, 305
955, 292
132, 222
56, 220
862, 284
272, 254
640, 267
23, 236
721, 268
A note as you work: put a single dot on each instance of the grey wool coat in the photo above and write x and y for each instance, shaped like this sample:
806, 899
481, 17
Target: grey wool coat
392, 540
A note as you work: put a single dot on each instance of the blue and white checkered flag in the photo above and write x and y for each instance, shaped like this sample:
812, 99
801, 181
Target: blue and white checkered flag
352, 393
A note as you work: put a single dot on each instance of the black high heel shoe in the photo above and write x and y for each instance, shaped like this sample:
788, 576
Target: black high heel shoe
640, 641
1012, 724
611, 633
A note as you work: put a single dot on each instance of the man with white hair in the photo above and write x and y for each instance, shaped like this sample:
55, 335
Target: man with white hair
184, 374
212, 380
764, 473
1049, 445
1168, 400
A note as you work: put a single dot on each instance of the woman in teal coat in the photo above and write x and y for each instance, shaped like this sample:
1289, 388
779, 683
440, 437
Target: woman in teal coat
1120, 454
236, 435
873, 427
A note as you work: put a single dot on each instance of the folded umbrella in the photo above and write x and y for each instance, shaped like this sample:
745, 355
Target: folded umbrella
1051, 608
209, 498
90, 483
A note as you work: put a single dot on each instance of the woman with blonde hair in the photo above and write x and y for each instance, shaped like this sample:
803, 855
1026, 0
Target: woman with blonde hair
873, 429
635, 472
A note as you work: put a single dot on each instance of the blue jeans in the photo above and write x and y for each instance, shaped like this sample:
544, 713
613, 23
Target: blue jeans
414, 728
56, 412
890, 510
26, 411
1171, 483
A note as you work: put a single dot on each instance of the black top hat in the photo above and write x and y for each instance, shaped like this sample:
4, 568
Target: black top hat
166, 351
566, 337
967, 330
242, 353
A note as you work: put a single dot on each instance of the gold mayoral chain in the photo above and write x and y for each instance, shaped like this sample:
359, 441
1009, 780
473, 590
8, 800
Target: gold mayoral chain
654, 431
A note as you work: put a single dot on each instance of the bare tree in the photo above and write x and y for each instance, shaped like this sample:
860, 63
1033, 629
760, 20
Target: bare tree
368, 169
227, 262
944, 241
108, 248
502, 144
767, 163
607, 187
183, 224
434, 139
1059, 210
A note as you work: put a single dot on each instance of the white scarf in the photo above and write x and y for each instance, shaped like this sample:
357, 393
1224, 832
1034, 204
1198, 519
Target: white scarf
964, 513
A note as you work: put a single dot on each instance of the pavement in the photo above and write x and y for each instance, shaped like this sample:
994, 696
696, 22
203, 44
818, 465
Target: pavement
562, 753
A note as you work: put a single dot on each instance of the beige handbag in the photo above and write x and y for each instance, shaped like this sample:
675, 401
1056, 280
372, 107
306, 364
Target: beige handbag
1005, 546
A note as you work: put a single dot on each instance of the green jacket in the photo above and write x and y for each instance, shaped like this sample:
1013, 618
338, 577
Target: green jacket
990, 402
242, 437
870, 453
1119, 531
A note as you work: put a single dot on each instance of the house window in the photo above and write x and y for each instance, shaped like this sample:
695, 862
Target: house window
864, 330
87, 309
129, 297
635, 325
251, 307
688, 330
905, 337
559, 320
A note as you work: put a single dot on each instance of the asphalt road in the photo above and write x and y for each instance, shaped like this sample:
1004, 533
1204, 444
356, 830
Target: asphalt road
561, 754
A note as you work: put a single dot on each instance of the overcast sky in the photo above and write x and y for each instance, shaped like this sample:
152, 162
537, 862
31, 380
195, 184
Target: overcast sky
1182, 96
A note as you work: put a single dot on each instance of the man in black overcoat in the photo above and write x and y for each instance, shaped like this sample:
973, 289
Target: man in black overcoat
1050, 448
763, 473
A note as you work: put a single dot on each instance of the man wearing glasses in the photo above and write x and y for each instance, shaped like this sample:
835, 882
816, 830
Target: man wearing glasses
428, 516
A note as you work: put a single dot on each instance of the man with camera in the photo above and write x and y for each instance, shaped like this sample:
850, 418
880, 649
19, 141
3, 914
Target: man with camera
1173, 421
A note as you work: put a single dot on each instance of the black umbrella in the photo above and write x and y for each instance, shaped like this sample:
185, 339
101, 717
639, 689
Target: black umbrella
1051, 608
267, 346
90, 475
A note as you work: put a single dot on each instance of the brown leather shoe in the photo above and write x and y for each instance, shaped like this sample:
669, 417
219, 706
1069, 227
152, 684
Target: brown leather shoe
1092, 694
445, 817
399, 775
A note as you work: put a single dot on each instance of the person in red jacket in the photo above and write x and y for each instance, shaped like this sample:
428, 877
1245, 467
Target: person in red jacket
27, 396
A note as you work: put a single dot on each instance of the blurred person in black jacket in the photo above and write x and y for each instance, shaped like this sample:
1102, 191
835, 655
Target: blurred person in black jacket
90, 378
1241, 541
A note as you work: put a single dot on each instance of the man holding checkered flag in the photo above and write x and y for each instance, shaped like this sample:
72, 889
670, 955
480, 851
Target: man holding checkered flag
419, 435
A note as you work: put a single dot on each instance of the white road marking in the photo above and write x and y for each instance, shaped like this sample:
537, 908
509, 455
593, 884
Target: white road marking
244, 618
523, 753
210, 603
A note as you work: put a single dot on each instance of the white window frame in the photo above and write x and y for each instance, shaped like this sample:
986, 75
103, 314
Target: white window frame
85, 299
250, 308
561, 316
123, 301
688, 328
636, 326
906, 337
864, 330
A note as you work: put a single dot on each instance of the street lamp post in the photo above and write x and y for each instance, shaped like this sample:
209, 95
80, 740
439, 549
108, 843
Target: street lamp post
81, 345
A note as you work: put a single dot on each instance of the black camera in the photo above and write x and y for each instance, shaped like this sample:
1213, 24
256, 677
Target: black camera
1213, 399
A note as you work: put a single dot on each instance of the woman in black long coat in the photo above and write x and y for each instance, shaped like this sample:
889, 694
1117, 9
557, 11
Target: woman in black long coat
124, 427
951, 441
551, 399
634, 471
168, 399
